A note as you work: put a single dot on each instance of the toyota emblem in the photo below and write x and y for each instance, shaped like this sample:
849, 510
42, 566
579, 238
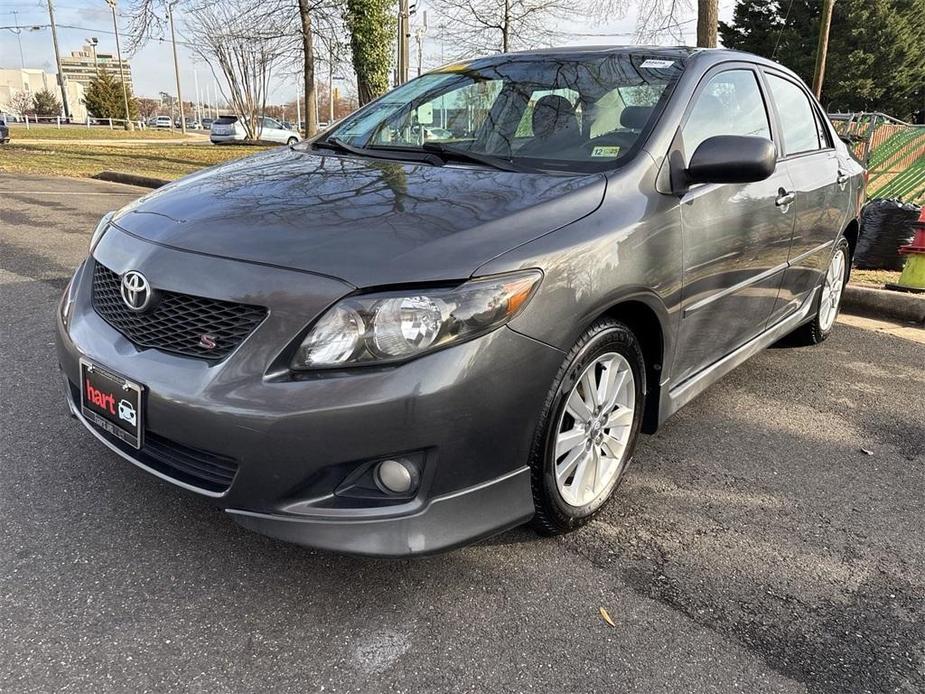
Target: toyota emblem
136, 292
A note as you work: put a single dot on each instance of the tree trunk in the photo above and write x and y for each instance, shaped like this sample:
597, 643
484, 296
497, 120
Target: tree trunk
311, 98
364, 92
707, 22
506, 26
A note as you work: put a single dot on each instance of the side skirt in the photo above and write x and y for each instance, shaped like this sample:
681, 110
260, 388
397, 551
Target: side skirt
673, 399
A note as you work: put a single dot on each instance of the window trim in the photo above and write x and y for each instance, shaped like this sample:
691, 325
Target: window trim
782, 154
702, 85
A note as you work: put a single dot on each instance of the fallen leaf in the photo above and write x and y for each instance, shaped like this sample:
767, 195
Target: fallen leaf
606, 617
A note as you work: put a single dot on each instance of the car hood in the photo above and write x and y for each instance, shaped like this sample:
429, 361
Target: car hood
369, 222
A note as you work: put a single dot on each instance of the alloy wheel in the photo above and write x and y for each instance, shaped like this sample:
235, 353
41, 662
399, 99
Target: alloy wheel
595, 429
832, 289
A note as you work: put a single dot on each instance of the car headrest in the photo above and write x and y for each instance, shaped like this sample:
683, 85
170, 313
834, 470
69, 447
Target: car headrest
635, 117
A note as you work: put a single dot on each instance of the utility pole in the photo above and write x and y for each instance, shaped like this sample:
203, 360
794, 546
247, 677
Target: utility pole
419, 36
404, 36
54, 39
822, 50
331, 84
707, 23
115, 27
176, 65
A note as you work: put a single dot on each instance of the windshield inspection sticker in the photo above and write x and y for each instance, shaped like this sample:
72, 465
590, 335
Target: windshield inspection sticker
657, 63
605, 152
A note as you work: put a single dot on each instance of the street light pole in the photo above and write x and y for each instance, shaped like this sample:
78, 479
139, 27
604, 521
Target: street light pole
176, 65
18, 32
54, 39
115, 27
93, 42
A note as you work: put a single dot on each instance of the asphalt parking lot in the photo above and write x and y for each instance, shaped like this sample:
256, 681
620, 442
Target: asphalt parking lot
770, 539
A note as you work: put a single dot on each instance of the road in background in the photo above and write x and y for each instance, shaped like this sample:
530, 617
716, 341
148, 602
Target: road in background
769, 538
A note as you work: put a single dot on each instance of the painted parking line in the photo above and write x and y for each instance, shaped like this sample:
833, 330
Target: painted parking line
75, 192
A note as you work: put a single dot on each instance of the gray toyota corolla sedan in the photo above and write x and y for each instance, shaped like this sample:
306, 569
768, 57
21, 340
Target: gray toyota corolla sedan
454, 311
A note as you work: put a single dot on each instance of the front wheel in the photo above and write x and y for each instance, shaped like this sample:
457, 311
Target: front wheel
291, 141
829, 301
588, 427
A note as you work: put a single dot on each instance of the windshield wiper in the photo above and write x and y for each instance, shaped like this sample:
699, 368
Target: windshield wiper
338, 145
447, 152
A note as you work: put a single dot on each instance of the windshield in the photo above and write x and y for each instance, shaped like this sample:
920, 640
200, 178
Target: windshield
578, 113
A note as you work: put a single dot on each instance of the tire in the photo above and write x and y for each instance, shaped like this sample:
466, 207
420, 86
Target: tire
823, 322
291, 141
568, 503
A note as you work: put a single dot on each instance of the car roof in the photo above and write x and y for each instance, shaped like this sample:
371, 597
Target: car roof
683, 54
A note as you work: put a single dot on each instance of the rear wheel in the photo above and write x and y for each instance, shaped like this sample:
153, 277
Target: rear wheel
291, 141
829, 301
588, 427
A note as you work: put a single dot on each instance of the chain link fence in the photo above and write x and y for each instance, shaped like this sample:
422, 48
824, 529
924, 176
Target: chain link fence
892, 151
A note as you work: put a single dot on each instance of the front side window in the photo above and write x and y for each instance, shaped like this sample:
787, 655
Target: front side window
729, 104
799, 127
581, 113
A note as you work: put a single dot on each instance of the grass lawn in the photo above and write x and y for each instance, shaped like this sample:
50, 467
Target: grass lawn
96, 132
156, 161
873, 278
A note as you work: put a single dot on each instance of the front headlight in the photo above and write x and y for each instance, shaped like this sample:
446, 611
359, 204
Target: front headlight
393, 326
100, 230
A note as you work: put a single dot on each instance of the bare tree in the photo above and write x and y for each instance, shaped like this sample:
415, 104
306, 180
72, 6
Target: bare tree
21, 103
295, 23
659, 20
246, 52
491, 26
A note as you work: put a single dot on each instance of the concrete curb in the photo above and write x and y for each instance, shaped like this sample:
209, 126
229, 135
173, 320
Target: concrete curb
883, 303
131, 179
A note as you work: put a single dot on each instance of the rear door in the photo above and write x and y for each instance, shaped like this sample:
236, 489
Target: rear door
818, 187
735, 236
273, 131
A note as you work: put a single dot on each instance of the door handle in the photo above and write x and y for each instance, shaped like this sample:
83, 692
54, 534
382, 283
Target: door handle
842, 178
785, 199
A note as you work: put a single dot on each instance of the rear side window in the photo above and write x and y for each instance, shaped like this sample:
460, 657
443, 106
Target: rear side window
799, 127
729, 104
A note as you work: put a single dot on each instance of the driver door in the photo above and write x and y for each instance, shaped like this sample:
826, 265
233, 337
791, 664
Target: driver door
736, 237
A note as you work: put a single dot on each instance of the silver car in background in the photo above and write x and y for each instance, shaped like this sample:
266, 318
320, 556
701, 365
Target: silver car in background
230, 129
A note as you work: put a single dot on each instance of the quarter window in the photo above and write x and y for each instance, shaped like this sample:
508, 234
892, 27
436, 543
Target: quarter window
799, 127
729, 104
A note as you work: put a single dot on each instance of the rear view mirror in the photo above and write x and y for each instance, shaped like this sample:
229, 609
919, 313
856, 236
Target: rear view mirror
732, 159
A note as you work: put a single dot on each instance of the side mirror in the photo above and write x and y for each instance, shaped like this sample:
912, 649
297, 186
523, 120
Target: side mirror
732, 159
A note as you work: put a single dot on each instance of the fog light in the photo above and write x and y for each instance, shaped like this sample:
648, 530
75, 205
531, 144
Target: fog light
396, 477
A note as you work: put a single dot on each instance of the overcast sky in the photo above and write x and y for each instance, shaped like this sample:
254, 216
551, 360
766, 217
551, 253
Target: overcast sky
152, 66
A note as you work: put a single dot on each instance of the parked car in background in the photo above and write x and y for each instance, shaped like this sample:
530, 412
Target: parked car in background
163, 122
4, 130
385, 346
207, 123
227, 129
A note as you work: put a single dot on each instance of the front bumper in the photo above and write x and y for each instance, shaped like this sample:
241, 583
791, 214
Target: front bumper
469, 412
